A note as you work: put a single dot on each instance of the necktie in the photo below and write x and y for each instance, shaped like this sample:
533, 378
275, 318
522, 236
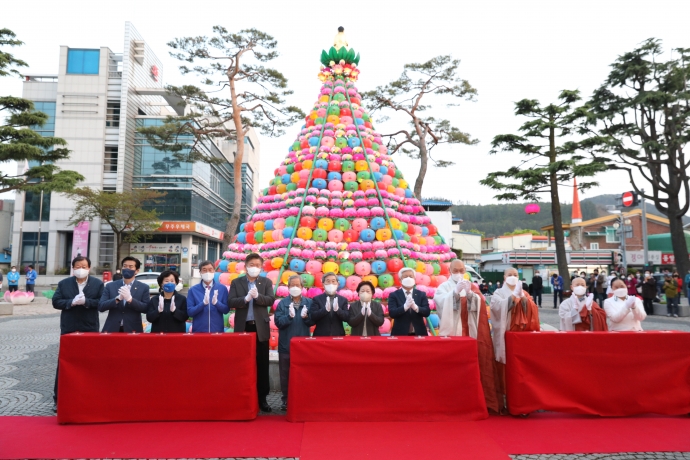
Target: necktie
409, 295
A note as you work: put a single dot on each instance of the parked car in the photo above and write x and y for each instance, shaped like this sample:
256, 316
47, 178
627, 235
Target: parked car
151, 278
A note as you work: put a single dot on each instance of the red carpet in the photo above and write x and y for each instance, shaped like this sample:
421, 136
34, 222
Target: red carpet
551, 433
398, 440
42, 437
494, 438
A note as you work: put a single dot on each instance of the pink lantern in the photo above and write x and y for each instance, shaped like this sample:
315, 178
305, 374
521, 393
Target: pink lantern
352, 282
532, 209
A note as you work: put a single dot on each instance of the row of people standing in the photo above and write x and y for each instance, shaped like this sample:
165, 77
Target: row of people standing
13, 279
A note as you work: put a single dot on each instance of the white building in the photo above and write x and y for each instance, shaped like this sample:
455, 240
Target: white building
96, 101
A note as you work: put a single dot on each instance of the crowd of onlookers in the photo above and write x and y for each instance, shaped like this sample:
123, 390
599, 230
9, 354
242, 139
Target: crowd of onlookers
651, 287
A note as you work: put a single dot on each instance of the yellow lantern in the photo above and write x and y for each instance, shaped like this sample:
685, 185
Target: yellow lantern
276, 262
326, 223
373, 279
330, 267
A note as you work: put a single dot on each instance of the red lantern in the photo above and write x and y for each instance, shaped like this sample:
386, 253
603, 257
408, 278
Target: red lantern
350, 236
250, 238
249, 227
273, 341
394, 265
307, 221
445, 269
267, 265
319, 174
532, 209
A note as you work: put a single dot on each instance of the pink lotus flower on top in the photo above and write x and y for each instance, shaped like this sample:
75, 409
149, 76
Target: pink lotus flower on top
274, 307
310, 244
389, 243
295, 252
350, 212
336, 213
356, 256
363, 212
282, 291
368, 255
381, 254
394, 253
432, 305
374, 202
320, 255
337, 202
388, 291
309, 210
367, 246
376, 211
322, 200
354, 246
307, 254
18, 297
378, 293
360, 202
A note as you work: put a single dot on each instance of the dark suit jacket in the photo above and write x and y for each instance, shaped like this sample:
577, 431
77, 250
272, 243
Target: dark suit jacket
127, 312
78, 318
373, 323
238, 291
329, 323
396, 310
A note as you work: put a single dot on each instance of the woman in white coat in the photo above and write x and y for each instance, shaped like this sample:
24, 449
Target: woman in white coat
623, 312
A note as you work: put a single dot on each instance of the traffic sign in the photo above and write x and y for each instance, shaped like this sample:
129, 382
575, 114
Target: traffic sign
628, 199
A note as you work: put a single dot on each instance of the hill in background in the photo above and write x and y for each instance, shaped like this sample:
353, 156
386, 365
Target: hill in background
497, 219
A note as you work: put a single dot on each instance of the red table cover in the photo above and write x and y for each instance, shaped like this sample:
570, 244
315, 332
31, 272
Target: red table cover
156, 377
601, 373
384, 379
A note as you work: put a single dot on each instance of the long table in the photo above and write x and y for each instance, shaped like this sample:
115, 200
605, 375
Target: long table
601, 373
156, 377
384, 379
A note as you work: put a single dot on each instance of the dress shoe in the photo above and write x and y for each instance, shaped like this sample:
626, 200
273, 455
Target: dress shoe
283, 407
263, 405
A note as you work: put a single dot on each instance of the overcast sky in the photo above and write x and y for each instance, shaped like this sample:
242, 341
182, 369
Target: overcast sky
510, 50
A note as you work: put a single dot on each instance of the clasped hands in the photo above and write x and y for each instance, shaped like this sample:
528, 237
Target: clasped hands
124, 293
252, 294
409, 303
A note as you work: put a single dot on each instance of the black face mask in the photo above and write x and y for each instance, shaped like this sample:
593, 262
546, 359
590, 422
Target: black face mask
128, 273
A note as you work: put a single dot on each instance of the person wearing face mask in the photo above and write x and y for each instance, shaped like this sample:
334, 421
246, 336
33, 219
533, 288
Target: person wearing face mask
117, 275
648, 285
13, 279
671, 292
125, 300
207, 301
168, 309
580, 312
623, 312
329, 310
557, 285
462, 311
292, 320
631, 285
511, 310
251, 296
408, 306
77, 297
492, 288
366, 314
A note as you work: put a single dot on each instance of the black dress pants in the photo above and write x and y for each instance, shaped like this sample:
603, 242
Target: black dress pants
262, 384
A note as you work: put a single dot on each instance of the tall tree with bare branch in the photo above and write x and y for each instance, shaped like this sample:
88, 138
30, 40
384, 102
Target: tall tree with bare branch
238, 93
413, 95
639, 121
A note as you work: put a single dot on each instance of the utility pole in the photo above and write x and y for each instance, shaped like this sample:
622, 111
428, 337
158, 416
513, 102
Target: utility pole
644, 229
37, 248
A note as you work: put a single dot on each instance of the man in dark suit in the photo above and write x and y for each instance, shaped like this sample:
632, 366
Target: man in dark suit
250, 296
125, 300
329, 310
77, 297
408, 306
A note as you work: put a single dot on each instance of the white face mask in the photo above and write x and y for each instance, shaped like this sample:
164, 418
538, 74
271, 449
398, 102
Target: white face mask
14, 270
253, 271
646, 275
579, 290
295, 291
81, 273
457, 277
408, 282
365, 297
620, 292
511, 280
207, 276
330, 288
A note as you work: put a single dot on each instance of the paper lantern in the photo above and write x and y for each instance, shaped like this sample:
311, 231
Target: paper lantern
335, 236
363, 268
330, 267
313, 267
532, 209
372, 279
352, 282
383, 234
304, 233
307, 280
286, 276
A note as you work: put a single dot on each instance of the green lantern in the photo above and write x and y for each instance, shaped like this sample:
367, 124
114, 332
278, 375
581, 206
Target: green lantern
348, 166
259, 236
347, 268
319, 235
363, 175
411, 264
307, 280
351, 186
385, 280
342, 224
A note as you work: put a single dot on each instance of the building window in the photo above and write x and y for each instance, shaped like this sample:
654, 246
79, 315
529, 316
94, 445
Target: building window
106, 252
110, 159
33, 253
215, 181
593, 246
48, 128
84, 62
612, 236
32, 206
112, 117
212, 251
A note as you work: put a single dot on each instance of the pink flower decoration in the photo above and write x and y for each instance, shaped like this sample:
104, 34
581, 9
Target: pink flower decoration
282, 291
313, 292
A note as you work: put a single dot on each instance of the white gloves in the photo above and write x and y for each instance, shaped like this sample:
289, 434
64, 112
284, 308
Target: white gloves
305, 312
207, 296
79, 299
254, 293
335, 304
215, 298
328, 304
459, 287
172, 304
292, 310
415, 307
408, 303
161, 301
125, 294
589, 300
369, 310
517, 292
630, 302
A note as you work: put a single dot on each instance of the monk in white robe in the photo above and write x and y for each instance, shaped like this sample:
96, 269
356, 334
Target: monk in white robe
462, 312
580, 312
